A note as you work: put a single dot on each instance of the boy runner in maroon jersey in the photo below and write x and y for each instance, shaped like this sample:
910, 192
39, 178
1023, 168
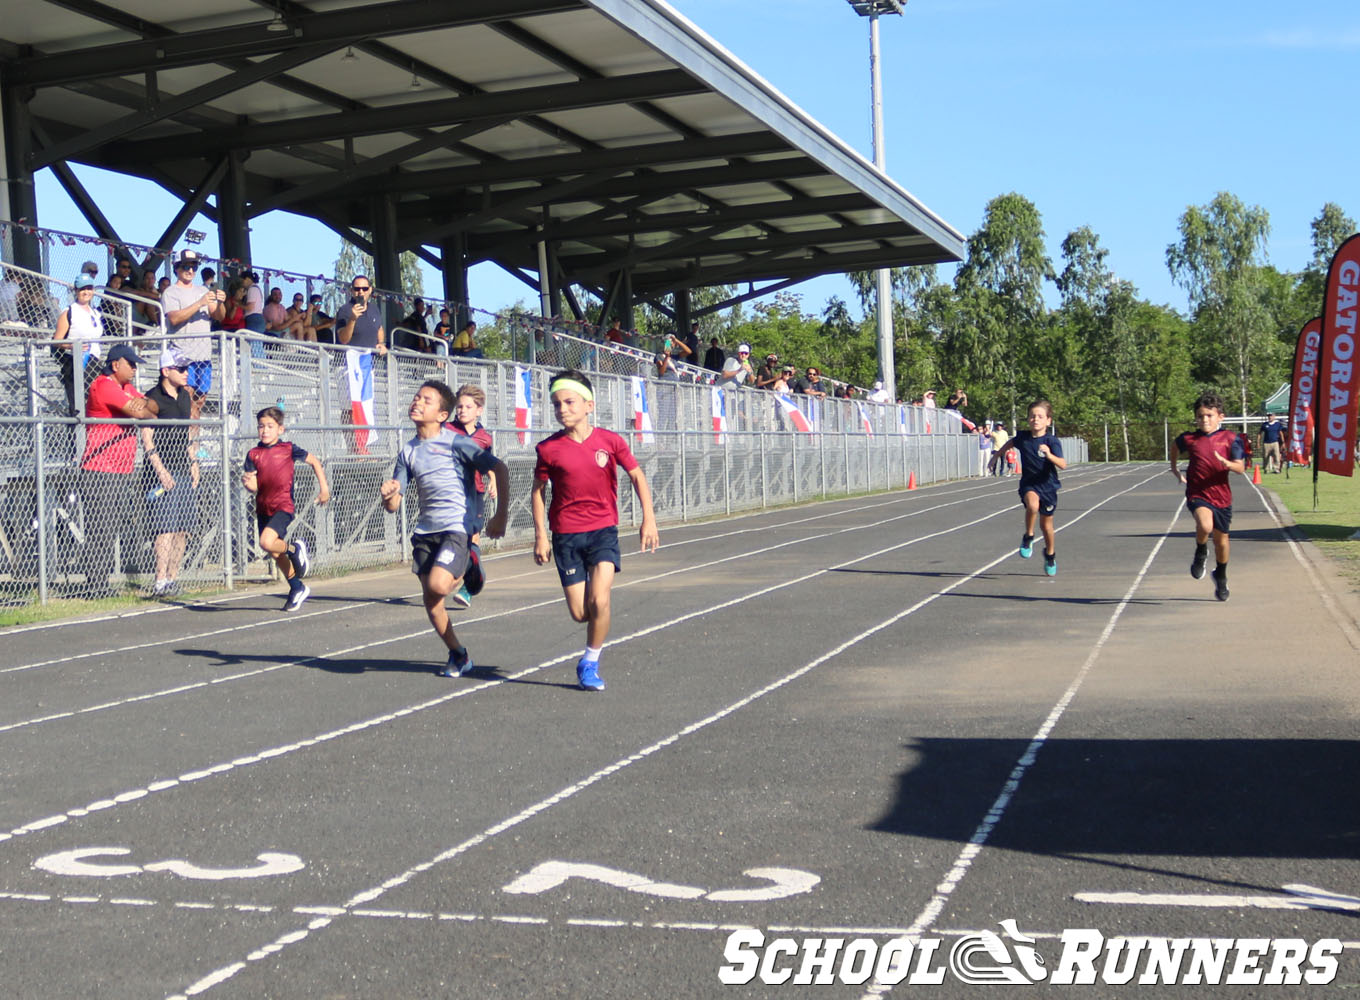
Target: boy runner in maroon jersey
269, 475
1214, 452
581, 462
466, 419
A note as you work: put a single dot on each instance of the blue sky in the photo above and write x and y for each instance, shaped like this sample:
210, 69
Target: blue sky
1112, 115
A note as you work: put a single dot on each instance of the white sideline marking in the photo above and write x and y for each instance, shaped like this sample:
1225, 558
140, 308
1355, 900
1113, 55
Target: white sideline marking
980, 836
369, 895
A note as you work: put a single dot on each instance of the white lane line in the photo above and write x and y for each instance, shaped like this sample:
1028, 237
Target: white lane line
935, 906
279, 751
524, 815
550, 602
1291, 535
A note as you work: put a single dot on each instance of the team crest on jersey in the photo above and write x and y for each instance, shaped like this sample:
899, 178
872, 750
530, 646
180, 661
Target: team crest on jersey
601, 458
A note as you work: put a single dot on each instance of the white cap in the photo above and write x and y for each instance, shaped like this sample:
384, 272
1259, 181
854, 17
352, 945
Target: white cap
744, 347
878, 385
169, 359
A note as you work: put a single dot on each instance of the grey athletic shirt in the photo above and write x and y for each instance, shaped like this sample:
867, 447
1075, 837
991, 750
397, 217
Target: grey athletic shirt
437, 467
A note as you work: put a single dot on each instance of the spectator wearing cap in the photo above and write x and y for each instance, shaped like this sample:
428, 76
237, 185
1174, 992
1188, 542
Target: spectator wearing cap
106, 465
170, 472
738, 370
784, 379
768, 373
880, 394
81, 328
190, 310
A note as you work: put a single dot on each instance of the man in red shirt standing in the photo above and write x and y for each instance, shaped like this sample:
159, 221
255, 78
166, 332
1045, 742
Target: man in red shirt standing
106, 466
581, 462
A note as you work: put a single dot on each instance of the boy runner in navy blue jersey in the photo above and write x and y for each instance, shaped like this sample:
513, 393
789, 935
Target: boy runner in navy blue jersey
437, 460
1214, 452
269, 475
1040, 459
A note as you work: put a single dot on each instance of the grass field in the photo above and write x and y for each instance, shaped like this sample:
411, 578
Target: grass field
1329, 525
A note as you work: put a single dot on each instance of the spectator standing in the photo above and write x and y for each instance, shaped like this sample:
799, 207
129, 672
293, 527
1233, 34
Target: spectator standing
1272, 433
880, 394
691, 341
254, 310
714, 356
82, 328
419, 326
999, 439
106, 465
958, 399
171, 472
665, 394
738, 370
928, 399
359, 325
812, 384
190, 310
768, 373
615, 334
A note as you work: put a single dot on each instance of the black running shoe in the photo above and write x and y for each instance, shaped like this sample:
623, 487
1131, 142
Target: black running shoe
1220, 585
1197, 566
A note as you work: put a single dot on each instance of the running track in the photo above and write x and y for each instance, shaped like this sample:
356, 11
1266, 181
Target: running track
871, 702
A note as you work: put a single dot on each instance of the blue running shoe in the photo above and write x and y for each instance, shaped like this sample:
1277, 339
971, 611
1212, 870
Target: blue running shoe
588, 675
1051, 564
460, 664
1026, 546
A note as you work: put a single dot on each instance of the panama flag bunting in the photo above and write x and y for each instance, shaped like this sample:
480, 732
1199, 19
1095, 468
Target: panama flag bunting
524, 411
795, 416
864, 419
719, 416
359, 375
1338, 378
901, 418
642, 418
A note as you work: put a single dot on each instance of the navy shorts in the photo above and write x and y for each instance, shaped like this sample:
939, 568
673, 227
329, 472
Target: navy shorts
174, 510
1048, 498
578, 552
445, 549
1222, 515
279, 521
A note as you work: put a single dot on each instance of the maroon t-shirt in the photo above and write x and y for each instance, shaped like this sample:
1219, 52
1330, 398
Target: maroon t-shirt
483, 437
584, 477
273, 468
1205, 477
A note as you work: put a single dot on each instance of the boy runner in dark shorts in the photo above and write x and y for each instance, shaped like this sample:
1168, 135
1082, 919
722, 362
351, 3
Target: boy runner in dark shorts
581, 462
1040, 459
269, 475
437, 460
1214, 452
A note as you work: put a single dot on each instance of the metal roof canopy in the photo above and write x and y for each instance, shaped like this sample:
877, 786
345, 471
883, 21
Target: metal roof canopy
614, 130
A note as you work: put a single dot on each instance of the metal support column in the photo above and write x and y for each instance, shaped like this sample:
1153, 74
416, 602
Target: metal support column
233, 229
454, 252
23, 197
386, 256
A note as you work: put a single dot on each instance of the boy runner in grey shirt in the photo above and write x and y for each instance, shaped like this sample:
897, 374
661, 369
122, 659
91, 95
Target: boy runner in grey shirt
436, 459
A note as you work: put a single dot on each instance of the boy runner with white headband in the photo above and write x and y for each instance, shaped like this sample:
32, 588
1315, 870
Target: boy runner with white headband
581, 462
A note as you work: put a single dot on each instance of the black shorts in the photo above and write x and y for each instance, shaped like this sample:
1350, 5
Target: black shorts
279, 521
174, 510
578, 552
1222, 515
444, 549
1048, 498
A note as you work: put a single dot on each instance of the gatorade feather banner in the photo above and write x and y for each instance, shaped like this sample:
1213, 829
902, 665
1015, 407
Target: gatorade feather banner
1338, 376
642, 417
524, 411
1298, 448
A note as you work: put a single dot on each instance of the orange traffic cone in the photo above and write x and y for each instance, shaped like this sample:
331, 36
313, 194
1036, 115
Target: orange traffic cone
911, 480
1255, 474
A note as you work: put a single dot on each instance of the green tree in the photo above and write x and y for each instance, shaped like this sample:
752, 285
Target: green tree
1001, 304
1218, 261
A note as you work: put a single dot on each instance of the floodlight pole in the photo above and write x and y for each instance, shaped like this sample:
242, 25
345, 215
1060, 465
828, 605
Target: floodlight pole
871, 9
